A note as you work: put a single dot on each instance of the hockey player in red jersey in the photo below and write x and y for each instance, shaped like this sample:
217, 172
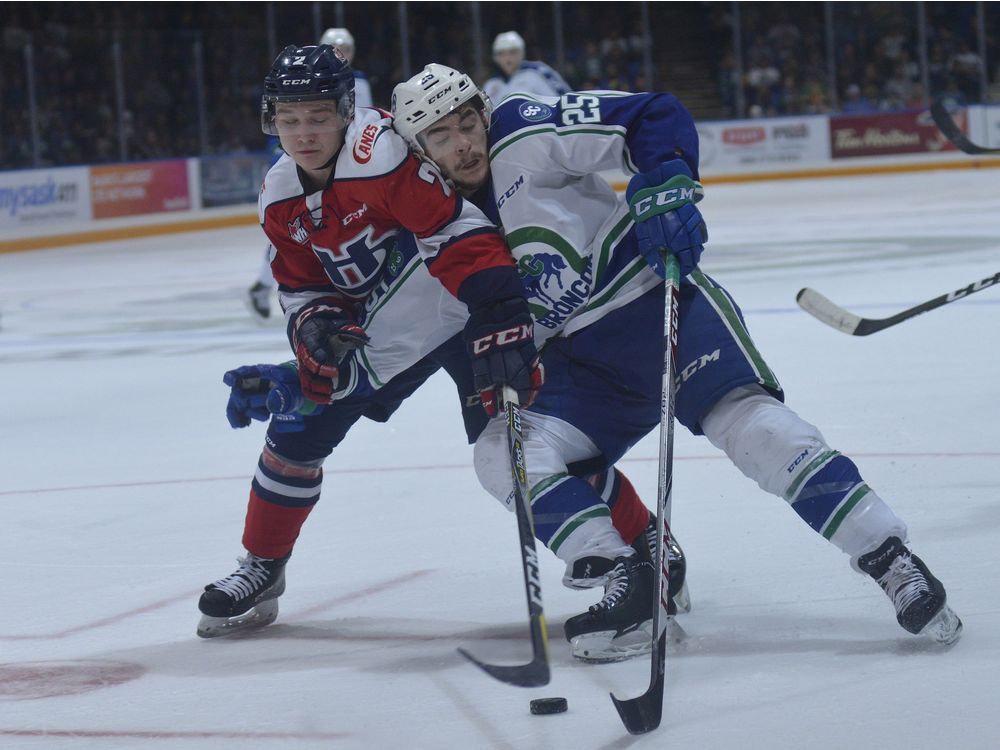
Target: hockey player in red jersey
332, 207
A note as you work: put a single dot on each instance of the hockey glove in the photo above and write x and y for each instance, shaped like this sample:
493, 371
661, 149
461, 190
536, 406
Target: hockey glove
501, 342
323, 336
662, 203
267, 392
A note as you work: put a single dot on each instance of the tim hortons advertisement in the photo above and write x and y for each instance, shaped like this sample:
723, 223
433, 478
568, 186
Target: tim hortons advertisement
36, 197
887, 134
773, 142
142, 188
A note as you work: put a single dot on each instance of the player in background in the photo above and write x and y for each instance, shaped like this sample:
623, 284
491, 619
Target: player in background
258, 296
593, 260
518, 74
344, 41
331, 208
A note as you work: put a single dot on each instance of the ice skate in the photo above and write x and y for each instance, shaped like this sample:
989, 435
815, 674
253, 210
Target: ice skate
919, 598
620, 625
258, 299
645, 547
245, 600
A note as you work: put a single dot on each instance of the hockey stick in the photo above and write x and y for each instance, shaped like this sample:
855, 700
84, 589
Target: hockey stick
642, 713
947, 125
536, 671
837, 317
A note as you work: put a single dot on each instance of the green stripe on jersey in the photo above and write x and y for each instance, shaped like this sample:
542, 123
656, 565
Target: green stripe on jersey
724, 306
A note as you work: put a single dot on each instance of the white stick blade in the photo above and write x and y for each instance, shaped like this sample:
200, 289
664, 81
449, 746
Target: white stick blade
826, 311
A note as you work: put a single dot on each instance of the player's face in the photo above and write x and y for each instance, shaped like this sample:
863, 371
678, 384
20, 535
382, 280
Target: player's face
310, 132
457, 144
508, 60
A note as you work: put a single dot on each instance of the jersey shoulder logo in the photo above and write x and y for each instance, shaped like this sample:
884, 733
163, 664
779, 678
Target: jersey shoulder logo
365, 145
534, 112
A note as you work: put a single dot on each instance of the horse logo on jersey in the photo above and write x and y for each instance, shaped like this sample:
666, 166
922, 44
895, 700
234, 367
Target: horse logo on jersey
355, 266
538, 270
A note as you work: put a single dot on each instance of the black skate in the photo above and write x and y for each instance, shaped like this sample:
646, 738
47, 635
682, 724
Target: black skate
919, 598
258, 300
645, 547
620, 625
245, 600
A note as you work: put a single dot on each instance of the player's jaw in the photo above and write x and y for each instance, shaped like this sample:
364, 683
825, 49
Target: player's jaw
469, 170
312, 151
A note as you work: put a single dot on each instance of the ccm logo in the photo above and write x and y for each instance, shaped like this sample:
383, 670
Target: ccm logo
294, 81
364, 145
664, 198
502, 338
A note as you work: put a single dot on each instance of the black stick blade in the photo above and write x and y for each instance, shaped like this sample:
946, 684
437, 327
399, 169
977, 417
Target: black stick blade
533, 674
642, 714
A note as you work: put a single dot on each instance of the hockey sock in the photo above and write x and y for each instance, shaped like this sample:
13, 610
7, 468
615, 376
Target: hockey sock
628, 514
788, 456
573, 521
281, 497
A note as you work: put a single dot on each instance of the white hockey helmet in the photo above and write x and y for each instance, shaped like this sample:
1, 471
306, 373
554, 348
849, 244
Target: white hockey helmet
341, 39
431, 94
508, 40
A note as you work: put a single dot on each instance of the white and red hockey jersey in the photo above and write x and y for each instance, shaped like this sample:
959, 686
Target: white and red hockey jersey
335, 241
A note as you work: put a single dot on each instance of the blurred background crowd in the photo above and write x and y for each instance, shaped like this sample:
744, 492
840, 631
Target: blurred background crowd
85, 83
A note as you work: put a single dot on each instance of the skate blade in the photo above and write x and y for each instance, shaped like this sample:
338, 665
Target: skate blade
944, 627
601, 647
253, 619
682, 600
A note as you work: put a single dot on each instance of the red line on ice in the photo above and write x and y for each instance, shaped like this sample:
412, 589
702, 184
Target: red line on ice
109, 620
448, 467
154, 734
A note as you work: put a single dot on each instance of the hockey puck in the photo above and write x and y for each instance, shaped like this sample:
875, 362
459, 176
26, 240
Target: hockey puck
541, 706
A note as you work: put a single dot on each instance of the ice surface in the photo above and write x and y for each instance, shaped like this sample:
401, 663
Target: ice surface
123, 491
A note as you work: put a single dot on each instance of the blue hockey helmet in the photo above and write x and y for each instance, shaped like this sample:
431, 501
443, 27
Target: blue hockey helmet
307, 74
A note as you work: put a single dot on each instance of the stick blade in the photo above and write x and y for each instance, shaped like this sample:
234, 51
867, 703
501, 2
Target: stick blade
829, 312
533, 674
642, 714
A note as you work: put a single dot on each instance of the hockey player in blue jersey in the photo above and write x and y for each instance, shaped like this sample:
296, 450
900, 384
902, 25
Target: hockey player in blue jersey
591, 261
518, 74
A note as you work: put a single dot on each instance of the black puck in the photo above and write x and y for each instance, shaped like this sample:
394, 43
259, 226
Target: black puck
543, 706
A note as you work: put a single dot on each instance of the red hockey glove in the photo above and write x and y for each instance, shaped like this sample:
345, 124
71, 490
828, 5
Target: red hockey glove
323, 336
501, 342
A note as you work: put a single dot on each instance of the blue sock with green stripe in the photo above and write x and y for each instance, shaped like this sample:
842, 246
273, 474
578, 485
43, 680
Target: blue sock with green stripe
830, 494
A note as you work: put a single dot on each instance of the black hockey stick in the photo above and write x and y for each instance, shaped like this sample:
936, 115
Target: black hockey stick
536, 671
837, 317
642, 714
947, 125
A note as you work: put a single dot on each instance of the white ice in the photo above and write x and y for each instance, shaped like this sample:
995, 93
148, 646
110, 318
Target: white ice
122, 492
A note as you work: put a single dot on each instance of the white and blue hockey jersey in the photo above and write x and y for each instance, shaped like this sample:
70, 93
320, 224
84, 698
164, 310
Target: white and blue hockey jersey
568, 230
566, 227
531, 77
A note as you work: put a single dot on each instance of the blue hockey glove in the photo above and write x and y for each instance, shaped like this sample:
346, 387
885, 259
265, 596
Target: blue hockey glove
267, 392
662, 203
501, 341
323, 336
